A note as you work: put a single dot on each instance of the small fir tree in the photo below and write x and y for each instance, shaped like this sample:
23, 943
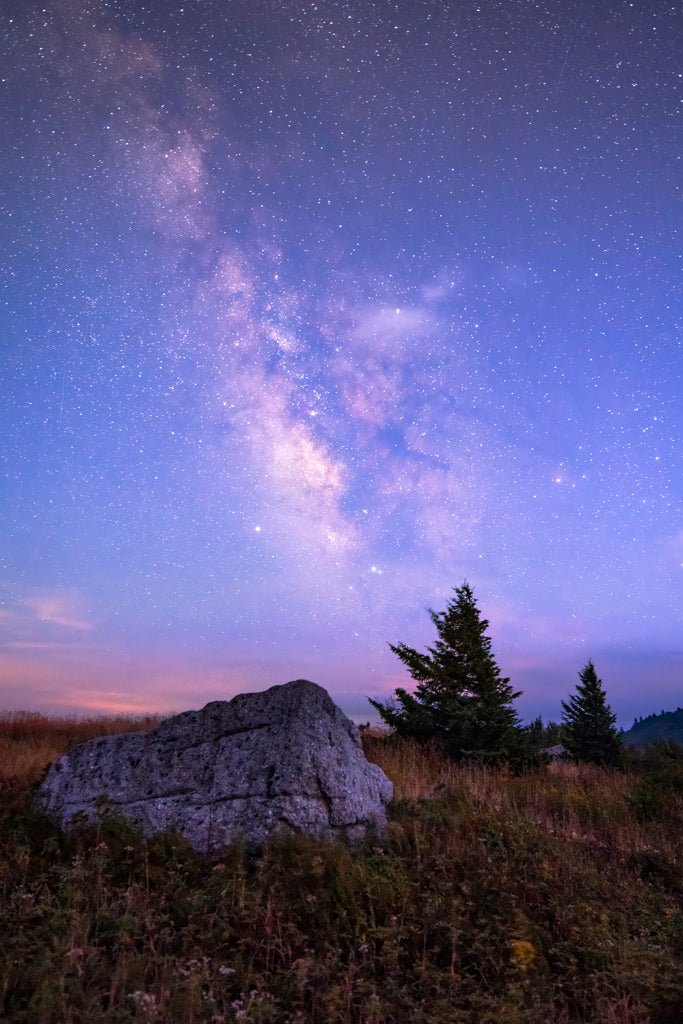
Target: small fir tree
542, 736
460, 697
588, 726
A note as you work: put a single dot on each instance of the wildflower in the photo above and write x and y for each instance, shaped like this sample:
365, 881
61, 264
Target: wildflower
144, 999
523, 953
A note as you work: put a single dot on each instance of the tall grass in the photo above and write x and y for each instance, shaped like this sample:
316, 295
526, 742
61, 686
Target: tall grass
550, 898
30, 742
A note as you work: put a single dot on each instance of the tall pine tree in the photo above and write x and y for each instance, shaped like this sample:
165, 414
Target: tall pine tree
588, 726
460, 696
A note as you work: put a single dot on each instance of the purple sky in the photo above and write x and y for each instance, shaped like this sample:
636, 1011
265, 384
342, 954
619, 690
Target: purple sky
310, 312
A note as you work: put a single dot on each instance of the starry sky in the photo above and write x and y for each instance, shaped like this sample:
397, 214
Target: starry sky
311, 311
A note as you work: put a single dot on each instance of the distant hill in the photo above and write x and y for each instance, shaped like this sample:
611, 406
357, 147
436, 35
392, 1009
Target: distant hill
668, 725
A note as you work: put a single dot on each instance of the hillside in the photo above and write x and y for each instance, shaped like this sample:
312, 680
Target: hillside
668, 725
553, 896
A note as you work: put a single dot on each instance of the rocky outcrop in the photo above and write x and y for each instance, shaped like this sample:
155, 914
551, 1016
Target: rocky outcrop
284, 760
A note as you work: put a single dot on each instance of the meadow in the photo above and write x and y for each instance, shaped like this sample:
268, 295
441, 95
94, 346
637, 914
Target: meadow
552, 897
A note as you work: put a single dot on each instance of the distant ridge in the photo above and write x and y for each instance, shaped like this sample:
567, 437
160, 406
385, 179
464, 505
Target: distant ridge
667, 725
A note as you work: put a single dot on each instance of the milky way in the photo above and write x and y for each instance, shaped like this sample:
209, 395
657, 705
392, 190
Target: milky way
311, 311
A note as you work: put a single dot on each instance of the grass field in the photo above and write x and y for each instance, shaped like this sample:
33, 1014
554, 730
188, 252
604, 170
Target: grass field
534, 899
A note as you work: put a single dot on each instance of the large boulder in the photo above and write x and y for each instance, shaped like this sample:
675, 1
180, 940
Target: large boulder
284, 760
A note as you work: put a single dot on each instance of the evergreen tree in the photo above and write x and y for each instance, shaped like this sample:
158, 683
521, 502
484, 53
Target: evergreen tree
589, 728
542, 736
460, 696
553, 734
536, 732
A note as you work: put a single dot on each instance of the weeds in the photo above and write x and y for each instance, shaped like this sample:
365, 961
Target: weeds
548, 898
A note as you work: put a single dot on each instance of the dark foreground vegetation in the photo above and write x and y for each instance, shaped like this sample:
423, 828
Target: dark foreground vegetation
552, 896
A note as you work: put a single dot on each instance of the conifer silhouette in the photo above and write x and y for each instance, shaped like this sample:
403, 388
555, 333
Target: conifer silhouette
589, 728
460, 696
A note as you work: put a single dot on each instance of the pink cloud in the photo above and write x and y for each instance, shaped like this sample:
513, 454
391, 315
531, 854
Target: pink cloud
61, 610
79, 680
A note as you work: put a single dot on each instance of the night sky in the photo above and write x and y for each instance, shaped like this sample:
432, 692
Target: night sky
311, 311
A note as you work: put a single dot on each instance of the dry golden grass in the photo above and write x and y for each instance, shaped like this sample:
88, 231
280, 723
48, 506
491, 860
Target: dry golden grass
576, 801
30, 742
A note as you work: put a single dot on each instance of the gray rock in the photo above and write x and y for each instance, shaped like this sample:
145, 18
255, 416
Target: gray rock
285, 760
